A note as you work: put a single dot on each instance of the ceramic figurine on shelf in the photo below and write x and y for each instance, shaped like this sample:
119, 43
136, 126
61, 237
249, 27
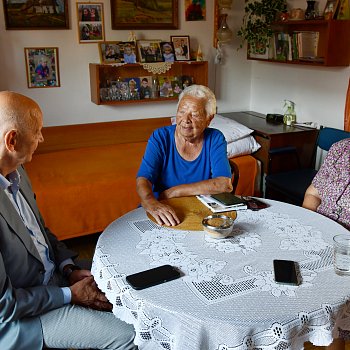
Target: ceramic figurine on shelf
199, 54
132, 36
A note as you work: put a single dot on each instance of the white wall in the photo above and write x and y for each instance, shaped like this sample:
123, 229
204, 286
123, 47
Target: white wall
318, 92
70, 103
239, 84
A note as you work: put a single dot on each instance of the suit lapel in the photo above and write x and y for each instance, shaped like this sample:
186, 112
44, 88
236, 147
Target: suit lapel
9, 213
27, 193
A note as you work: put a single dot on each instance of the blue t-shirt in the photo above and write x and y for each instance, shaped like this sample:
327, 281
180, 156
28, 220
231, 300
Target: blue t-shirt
163, 166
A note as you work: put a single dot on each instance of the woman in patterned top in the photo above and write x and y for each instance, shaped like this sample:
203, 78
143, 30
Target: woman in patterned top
329, 193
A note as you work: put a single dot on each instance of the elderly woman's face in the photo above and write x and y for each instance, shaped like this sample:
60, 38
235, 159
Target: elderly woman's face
191, 118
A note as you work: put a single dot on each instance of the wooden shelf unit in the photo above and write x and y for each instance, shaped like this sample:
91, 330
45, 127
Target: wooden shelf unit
100, 73
334, 41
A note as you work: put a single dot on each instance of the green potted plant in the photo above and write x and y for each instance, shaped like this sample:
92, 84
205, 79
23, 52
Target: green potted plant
256, 27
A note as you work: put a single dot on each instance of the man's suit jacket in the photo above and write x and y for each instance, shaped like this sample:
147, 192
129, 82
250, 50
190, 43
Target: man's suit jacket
22, 295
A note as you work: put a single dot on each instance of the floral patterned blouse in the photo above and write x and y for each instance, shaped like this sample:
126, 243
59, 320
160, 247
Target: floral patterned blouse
333, 183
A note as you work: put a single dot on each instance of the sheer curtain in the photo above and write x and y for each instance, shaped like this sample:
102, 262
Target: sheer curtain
347, 110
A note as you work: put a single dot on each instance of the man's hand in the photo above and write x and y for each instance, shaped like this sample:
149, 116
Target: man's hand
86, 293
78, 275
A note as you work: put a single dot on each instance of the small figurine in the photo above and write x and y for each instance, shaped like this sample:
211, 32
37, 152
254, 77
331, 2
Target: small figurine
199, 54
132, 36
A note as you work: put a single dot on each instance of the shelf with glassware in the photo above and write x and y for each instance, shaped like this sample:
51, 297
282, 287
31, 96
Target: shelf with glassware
309, 42
144, 82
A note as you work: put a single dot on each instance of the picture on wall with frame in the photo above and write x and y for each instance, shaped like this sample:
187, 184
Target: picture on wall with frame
24, 14
90, 21
42, 67
181, 47
149, 51
160, 14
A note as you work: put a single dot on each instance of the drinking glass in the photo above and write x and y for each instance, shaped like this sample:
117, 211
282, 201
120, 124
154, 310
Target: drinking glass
341, 257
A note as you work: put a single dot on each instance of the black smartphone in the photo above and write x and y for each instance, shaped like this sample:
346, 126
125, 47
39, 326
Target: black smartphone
255, 204
227, 198
152, 277
285, 272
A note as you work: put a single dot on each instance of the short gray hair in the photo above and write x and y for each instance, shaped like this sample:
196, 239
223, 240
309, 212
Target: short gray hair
202, 92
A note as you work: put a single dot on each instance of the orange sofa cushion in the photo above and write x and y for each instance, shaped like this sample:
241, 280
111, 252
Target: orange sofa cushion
80, 191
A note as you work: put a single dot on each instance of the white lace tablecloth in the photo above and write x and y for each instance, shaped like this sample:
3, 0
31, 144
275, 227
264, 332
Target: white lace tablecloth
227, 298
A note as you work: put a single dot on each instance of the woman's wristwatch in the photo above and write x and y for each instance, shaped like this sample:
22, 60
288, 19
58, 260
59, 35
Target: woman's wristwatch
68, 269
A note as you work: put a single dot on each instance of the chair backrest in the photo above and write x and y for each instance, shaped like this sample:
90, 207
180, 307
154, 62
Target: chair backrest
328, 136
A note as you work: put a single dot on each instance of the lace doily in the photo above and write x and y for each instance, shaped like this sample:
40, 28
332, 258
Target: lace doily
157, 67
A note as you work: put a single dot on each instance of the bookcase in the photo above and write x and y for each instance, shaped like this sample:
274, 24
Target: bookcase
103, 76
333, 42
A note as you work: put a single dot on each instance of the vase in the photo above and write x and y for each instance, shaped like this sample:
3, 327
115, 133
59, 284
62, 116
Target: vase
224, 33
310, 12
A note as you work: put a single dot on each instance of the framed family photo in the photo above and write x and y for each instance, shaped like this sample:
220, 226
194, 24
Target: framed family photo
330, 9
149, 51
24, 14
160, 14
167, 49
90, 22
42, 67
181, 47
111, 52
117, 52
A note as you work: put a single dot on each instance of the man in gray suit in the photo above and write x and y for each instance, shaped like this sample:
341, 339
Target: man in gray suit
45, 299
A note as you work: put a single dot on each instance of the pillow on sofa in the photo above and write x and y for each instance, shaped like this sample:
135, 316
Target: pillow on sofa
231, 129
243, 146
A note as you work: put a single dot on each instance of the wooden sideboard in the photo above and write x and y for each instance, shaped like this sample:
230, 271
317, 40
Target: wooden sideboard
271, 136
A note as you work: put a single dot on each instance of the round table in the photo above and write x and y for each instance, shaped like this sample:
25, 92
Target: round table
227, 297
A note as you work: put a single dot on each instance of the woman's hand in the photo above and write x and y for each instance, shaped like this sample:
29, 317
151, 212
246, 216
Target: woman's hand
164, 214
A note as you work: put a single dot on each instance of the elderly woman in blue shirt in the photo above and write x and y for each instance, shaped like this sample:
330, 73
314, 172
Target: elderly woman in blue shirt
184, 159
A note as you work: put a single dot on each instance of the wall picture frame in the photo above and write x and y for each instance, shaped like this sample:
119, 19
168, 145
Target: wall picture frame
330, 9
181, 47
160, 14
42, 67
22, 14
149, 51
90, 19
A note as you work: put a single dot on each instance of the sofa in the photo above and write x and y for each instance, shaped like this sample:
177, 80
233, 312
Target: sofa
84, 176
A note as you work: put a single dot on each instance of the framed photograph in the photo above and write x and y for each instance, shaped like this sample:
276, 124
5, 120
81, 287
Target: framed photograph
149, 51
111, 52
146, 87
90, 22
181, 47
167, 49
23, 14
330, 9
42, 67
160, 14
129, 52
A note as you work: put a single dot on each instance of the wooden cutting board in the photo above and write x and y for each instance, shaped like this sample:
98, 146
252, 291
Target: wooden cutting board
191, 212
